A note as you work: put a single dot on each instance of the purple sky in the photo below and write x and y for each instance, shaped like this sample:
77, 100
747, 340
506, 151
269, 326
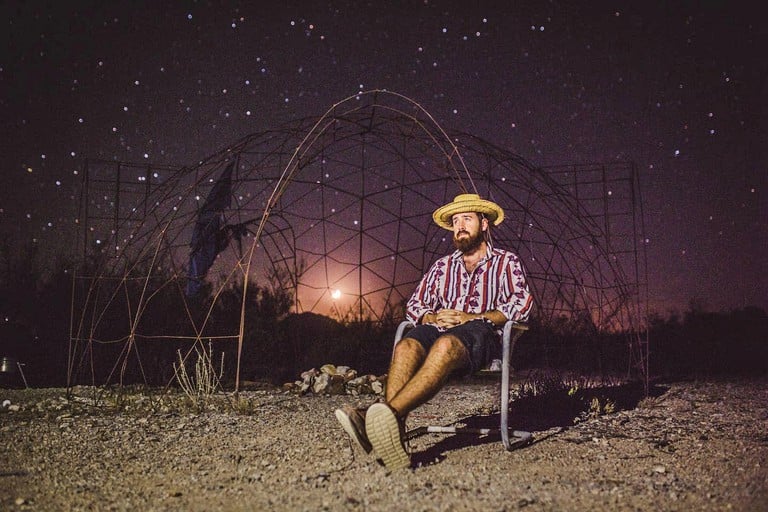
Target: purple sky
679, 91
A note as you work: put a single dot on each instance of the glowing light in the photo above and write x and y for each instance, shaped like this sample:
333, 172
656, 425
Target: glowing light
336, 294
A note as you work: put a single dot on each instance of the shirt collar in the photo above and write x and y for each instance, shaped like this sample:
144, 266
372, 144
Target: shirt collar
488, 253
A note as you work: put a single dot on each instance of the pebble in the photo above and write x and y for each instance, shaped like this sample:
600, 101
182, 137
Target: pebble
289, 454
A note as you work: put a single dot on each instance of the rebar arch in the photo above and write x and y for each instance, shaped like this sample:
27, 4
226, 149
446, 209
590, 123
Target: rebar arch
344, 201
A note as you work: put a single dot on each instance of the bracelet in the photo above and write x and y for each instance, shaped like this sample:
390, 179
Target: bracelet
487, 320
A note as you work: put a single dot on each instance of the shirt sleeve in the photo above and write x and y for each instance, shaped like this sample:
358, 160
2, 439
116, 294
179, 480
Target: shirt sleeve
424, 300
515, 300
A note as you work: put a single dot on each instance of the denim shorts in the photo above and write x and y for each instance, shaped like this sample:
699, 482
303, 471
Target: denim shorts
478, 336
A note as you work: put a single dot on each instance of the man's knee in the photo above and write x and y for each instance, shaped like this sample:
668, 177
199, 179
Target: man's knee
449, 346
409, 346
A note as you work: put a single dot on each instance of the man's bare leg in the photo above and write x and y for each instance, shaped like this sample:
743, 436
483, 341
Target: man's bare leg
384, 423
408, 356
446, 355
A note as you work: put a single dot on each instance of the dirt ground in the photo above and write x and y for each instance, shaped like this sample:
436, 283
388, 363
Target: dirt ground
688, 446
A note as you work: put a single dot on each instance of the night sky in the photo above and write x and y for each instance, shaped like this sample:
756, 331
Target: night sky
680, 91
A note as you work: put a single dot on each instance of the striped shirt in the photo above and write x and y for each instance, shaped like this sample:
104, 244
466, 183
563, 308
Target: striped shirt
497, 283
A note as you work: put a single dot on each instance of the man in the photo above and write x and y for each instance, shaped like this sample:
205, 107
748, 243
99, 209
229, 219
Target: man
458, 308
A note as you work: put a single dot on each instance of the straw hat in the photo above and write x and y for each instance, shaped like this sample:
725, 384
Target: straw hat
463, 203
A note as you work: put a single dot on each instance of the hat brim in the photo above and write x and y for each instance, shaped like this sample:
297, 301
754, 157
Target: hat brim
443, 215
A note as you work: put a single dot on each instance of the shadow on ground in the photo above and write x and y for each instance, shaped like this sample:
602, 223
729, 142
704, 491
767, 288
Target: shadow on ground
555, 409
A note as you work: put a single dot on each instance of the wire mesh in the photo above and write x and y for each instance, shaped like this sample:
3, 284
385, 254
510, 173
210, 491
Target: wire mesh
337, 210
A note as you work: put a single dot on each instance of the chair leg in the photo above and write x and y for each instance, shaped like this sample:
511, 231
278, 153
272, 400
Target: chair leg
522, 437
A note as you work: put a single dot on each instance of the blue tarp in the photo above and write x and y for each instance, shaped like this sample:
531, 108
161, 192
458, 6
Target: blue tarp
208, 237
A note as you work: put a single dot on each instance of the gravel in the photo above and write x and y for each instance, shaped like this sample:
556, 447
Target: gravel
690, 446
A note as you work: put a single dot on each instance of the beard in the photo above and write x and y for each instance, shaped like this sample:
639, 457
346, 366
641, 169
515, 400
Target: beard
468, 244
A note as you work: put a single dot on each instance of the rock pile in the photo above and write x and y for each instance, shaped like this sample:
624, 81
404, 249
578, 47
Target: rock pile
336, 380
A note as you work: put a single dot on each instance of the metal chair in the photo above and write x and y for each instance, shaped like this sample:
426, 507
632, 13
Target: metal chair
511, 332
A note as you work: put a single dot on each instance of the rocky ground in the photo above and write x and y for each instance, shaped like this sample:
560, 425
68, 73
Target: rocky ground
689, 446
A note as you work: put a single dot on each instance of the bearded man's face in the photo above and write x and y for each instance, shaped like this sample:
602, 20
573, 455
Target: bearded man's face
467, 231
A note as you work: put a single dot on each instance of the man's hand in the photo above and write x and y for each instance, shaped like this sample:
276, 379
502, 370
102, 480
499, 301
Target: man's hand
448, 318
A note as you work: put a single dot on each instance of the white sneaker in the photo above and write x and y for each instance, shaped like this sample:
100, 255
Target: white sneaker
385, 434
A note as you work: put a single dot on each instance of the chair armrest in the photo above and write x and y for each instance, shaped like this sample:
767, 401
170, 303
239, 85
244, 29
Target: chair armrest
401, 330
511, 325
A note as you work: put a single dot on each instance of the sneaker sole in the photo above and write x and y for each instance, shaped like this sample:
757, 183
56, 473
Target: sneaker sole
383, 432
351, 431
